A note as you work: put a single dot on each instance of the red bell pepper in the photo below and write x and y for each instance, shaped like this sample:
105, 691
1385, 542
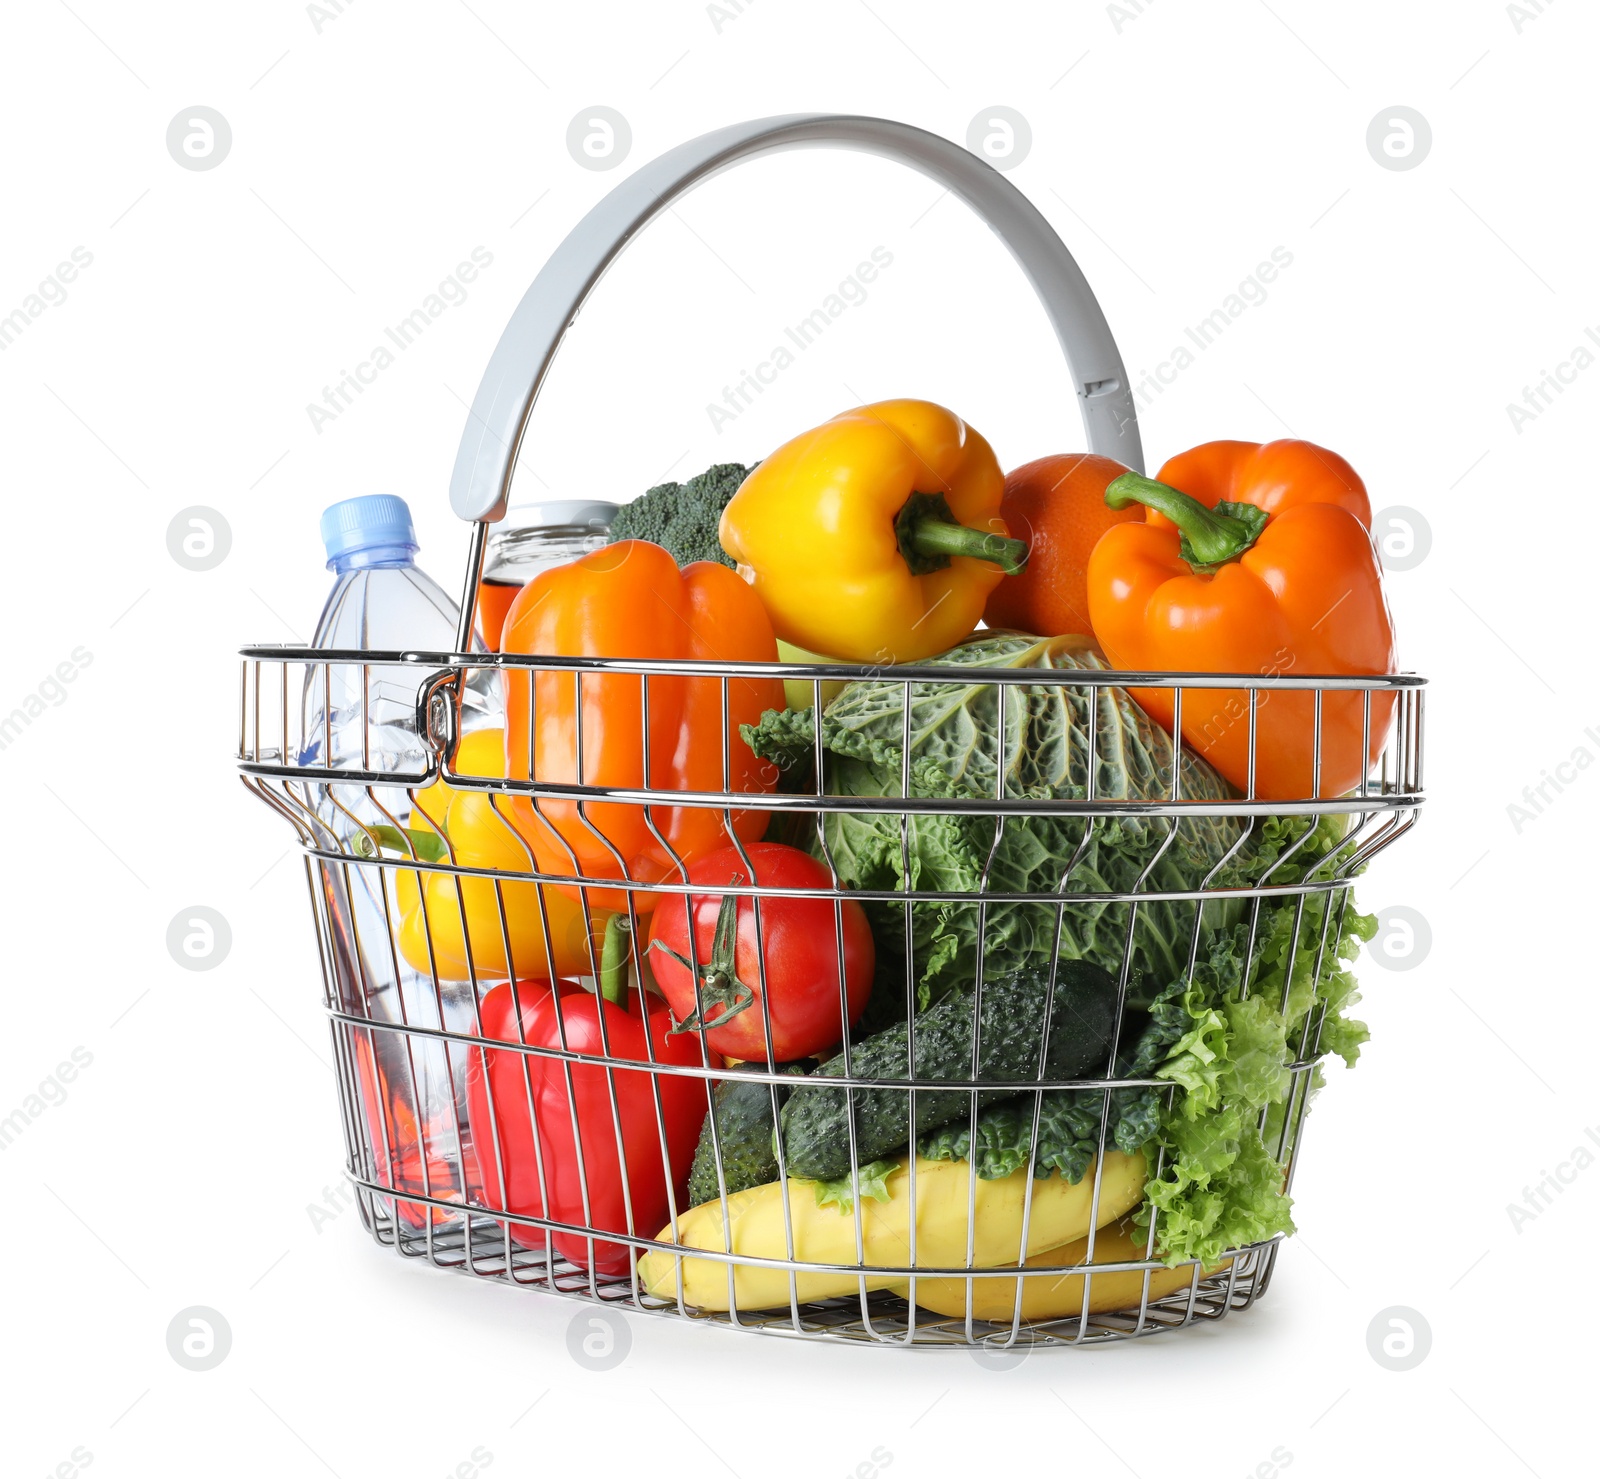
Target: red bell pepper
523, 1174
510, 1175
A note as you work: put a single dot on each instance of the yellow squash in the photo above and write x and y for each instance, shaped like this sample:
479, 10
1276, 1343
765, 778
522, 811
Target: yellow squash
1060, 1213
1054, 1296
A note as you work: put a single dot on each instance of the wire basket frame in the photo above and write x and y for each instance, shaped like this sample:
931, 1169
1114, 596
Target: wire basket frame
414, 936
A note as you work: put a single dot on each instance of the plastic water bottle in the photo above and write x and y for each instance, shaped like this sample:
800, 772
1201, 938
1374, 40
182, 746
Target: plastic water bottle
363, 716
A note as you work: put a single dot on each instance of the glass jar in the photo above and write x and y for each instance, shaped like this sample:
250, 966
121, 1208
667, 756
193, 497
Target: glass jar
534, 537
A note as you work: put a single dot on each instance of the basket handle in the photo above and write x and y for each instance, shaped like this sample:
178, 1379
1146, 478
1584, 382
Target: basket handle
482, 478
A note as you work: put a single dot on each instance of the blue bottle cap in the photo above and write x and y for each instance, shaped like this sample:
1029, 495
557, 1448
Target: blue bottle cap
369, 522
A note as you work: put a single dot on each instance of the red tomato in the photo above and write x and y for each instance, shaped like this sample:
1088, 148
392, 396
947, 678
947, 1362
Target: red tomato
801, 939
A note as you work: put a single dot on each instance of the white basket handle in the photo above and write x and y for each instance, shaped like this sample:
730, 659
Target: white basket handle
500, 411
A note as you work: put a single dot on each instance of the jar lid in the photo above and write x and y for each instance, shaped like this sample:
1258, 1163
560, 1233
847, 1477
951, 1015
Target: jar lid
561, 513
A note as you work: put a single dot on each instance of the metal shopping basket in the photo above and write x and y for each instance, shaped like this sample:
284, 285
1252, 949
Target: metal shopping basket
413, 939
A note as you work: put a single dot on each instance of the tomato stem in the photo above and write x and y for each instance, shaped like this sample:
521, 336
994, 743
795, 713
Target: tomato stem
717, 982
1207, 537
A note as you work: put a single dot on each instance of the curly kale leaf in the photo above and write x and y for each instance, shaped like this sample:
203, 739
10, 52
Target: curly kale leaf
980, 740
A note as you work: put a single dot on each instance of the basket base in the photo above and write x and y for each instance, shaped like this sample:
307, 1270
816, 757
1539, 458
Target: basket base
477, 1243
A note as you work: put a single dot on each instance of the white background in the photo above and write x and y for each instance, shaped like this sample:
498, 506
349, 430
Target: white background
1173, 149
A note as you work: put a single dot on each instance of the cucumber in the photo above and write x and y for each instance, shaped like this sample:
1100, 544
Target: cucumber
744, 1131
816, 1123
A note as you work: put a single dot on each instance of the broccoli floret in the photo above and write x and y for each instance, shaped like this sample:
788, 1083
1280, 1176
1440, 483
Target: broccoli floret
682, 517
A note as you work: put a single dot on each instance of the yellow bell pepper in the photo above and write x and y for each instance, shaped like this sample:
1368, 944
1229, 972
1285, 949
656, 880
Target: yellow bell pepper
799, 692
453, 912
876, 536
482, 752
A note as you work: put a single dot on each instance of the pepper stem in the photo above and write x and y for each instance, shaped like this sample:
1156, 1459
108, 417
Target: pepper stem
615, 958
1208, 537
928, 536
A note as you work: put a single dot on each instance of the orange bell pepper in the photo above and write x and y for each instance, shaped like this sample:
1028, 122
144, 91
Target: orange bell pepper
1251, 559
630, 600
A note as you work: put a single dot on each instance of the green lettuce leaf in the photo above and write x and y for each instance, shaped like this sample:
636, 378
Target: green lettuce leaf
1217, 1180
872, 1180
